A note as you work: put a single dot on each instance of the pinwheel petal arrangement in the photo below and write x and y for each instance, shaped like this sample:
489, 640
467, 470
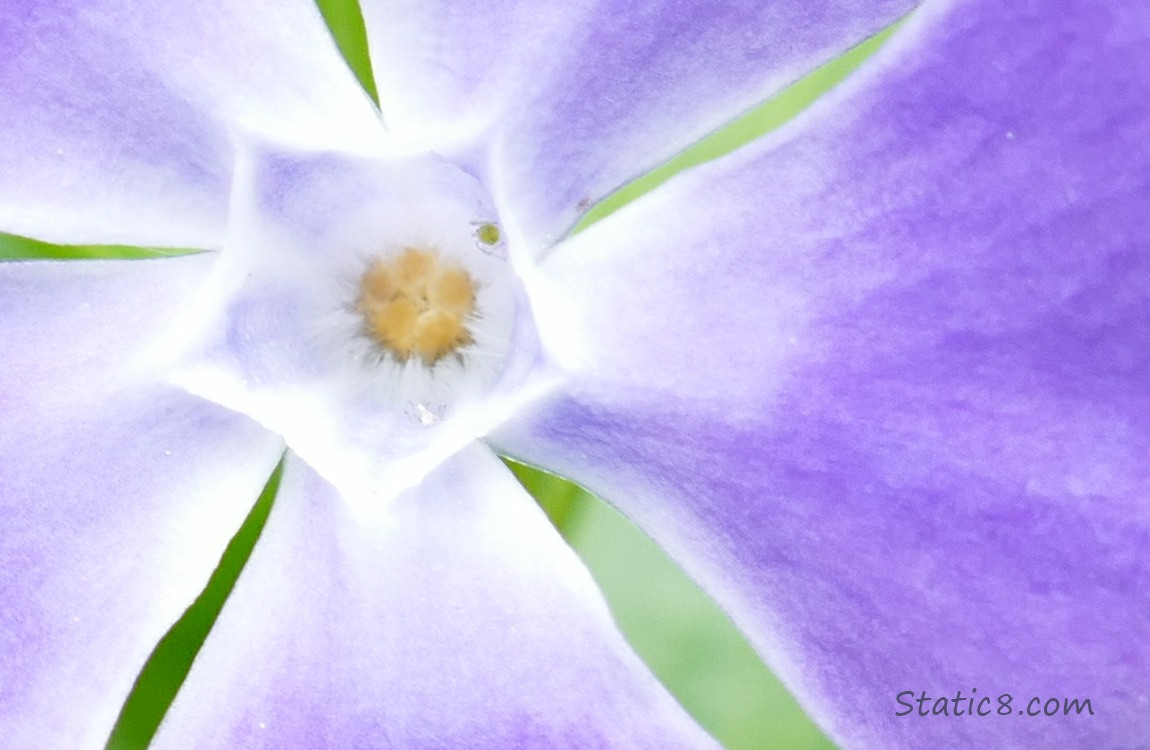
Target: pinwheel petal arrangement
880, 381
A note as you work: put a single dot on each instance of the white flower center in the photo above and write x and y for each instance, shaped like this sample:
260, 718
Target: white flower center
364, 309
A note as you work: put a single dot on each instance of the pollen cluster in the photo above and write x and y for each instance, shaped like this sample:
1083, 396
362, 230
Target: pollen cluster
416, 305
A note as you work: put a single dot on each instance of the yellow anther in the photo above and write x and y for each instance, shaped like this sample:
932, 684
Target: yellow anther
416, 305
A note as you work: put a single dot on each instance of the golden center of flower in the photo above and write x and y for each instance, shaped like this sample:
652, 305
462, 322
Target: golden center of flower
417, 305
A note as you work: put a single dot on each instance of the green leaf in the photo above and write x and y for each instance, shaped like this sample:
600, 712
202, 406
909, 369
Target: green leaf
680, 632
345, 19
170, 662
14, 247
775, 112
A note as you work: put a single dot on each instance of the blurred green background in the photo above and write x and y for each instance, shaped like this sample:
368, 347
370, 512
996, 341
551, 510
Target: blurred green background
680, 633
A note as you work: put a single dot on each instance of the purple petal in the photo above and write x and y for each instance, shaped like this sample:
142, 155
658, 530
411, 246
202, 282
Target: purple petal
881, 384
452, 615
576, 98
118, 493
116, 117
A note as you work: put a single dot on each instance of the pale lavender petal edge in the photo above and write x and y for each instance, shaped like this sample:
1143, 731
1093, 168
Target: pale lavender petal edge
117, 119
118, 493
562, 102
452, 616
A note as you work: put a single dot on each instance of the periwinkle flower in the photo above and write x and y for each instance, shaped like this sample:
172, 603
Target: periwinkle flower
880, 382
